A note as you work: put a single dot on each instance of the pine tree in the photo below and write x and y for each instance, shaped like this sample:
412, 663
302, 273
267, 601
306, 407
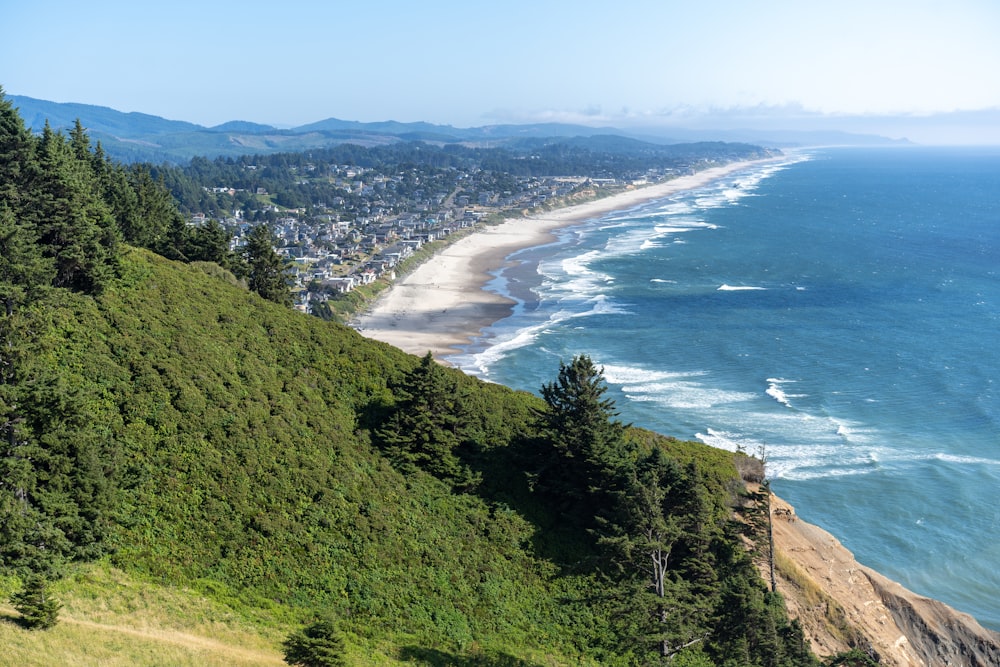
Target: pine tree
57, 461
645, 538
210, 243
156, 216
425, 427
317, 645
75, 227
38, 609
697, 561
118, 194
265, 268
23, 270
80, 144
18, 164
587, 442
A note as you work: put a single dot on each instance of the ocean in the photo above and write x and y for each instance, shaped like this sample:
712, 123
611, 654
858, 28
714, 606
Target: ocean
837, 310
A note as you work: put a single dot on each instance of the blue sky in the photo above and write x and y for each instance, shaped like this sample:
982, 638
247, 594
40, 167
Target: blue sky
464, 63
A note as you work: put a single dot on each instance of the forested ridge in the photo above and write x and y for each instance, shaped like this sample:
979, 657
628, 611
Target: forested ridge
157, 417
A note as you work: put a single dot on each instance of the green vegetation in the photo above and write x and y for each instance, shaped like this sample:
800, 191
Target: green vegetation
414, 171
157, 420
38, 609
264, 268
317, 645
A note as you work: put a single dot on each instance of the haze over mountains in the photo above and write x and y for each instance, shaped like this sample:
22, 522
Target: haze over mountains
137, 136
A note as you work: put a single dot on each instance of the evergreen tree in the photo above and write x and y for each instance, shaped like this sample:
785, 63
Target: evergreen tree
23, 270
317, 645
425, 427
156, 215
265, 268
57, 460
645, 539
793, 638
587, 442
696, 557
29, 540
119, 195
18, 163
80, 144
177, 240
38, 609
75, 226
210, 243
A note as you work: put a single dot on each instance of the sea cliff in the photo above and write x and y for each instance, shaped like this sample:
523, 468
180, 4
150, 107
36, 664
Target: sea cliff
842, 604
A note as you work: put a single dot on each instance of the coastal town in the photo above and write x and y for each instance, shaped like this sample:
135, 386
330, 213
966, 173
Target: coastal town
379, 218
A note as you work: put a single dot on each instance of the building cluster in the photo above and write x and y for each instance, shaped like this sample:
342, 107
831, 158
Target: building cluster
376, 220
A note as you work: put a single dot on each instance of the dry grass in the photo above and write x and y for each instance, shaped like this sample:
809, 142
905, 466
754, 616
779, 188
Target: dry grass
112, 620
131, 641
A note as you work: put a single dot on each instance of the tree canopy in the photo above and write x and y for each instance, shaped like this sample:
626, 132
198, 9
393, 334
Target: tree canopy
265, 269
587, 442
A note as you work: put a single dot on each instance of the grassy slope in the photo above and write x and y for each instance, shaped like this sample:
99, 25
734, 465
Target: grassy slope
112, 619
250, 496
247, 475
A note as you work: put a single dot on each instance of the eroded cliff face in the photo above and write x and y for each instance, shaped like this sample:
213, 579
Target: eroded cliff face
842, 604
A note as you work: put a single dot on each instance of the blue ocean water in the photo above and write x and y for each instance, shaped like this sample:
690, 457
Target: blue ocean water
840, 309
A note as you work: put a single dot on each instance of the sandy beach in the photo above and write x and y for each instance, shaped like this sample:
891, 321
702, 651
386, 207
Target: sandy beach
442, 306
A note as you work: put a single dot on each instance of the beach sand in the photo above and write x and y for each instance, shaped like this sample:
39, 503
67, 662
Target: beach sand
441, 306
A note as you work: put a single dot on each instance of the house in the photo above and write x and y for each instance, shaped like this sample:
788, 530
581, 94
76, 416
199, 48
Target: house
339, 285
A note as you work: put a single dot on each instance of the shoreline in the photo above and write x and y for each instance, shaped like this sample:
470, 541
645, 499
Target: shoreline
443, 305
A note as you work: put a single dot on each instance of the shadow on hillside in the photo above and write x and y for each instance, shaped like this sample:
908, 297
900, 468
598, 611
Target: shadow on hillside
560, 535
13, 619
436, 658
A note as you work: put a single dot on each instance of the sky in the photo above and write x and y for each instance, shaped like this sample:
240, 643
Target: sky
625, 63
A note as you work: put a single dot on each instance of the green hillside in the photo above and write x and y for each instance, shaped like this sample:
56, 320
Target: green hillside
174, 441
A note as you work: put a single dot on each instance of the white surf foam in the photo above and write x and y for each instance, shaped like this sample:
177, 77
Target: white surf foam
502, 345
674, 390
776, 390
777, 393
963, 460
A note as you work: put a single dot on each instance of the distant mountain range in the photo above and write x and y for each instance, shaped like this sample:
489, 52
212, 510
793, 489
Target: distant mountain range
139, 137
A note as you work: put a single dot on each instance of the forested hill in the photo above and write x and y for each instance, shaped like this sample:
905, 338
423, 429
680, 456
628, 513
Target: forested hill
160, 418
138, 137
